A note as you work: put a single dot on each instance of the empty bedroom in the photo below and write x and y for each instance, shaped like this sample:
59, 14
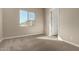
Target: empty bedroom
39, 29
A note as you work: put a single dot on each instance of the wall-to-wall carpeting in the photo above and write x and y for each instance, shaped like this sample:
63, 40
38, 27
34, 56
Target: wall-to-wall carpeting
32, 43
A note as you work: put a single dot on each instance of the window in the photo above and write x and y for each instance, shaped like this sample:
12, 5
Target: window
31, 16
26, 18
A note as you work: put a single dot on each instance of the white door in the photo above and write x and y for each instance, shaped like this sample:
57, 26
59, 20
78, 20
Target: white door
50, 24
54, 21
0, 23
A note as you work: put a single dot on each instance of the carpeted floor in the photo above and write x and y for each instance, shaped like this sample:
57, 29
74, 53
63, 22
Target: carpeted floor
33, 43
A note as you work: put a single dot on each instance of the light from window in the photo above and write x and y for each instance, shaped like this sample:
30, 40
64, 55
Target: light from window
31, 16
26, 18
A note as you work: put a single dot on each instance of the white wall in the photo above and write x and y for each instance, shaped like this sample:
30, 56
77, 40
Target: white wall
0, 23
69, 24
11, 26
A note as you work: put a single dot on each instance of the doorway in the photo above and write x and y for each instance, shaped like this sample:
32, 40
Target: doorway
51, 23
54, 21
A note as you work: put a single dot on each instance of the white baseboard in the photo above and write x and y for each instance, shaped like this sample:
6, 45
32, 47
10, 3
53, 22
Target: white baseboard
68, 42
59, 38
20, 36
71, 43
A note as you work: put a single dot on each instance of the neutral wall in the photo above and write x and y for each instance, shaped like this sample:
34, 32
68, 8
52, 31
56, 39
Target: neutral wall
47, 19
11, 22
69, 25
0, 23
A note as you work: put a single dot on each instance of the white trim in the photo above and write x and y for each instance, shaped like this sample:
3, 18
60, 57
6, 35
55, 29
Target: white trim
20, 36
68, 42
59, 38
71, 43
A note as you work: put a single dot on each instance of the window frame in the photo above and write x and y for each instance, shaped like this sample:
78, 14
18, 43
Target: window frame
28, 17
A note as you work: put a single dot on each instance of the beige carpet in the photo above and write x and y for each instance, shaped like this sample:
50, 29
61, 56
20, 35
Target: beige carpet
33, 43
